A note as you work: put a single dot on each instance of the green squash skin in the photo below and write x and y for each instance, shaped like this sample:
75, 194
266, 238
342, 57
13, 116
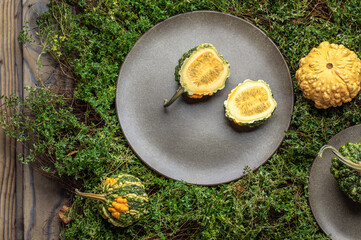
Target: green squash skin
348, 179
243, 124
186, 55
132, 189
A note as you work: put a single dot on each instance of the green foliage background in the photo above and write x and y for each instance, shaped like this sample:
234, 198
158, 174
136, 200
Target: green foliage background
91, 40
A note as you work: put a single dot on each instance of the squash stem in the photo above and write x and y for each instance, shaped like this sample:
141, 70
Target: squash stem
99, 197
347, 162
175, 96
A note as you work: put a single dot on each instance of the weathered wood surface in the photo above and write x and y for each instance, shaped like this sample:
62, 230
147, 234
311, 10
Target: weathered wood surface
10, 83
28, 201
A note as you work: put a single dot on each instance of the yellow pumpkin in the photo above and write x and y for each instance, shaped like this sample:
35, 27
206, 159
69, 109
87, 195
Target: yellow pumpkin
330, 75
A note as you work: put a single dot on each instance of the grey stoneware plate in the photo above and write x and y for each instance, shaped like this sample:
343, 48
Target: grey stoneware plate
193, 141
335, 213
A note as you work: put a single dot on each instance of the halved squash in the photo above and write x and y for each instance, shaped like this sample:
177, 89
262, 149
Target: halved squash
200, 72
250, 103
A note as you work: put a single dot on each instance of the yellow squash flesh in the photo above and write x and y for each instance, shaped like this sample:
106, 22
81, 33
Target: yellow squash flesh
200, 72
250, 103
203, 73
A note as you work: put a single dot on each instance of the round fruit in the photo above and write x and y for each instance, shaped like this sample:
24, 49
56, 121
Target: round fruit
122, 199
250, 103
330, 75
346, 168
200, 72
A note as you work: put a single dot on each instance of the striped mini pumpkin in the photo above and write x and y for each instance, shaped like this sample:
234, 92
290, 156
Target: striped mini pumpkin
122, 200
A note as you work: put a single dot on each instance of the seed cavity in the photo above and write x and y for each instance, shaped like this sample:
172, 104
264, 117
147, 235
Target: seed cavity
252, 101
206, 69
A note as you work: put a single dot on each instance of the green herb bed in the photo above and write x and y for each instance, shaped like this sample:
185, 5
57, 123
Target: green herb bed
82, 137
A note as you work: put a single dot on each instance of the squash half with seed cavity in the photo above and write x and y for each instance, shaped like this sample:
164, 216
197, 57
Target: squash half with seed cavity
122, 199
200, 72
250, 103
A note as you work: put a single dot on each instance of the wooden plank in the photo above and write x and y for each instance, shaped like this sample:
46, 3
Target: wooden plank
19, 215
10, 83
42, 198
28, 201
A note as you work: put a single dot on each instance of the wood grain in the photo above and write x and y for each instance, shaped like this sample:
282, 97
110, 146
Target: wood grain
42, 197
10, 83
28, 201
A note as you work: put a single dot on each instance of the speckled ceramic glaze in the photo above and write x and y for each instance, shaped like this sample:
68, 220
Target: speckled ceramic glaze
193, 141
335, 213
